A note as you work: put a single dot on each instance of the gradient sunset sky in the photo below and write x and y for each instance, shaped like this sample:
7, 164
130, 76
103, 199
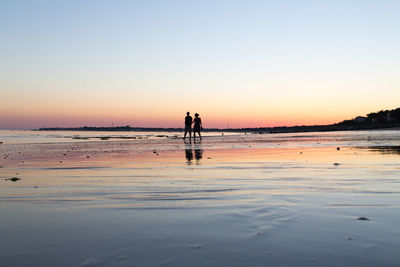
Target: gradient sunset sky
242, 63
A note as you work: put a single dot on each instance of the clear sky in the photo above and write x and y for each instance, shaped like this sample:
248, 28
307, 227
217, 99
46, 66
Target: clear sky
242, 63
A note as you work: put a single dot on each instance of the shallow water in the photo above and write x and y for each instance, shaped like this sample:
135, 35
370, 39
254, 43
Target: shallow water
237, 200
40, 137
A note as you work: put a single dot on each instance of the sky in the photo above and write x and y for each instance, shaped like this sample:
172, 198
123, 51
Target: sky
236, 63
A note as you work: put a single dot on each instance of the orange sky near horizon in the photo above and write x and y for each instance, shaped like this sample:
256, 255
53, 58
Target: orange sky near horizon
212, 119
47, 103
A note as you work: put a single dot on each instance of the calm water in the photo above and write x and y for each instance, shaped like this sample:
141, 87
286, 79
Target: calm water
35, 137
232, 200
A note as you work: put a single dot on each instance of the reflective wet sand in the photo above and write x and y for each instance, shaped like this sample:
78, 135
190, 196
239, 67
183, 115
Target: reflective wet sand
248, 200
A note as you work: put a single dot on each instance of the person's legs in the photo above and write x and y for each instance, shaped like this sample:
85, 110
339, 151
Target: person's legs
188, 130
194, 134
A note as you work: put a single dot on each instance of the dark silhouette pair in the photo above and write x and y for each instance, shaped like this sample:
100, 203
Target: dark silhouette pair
196, 127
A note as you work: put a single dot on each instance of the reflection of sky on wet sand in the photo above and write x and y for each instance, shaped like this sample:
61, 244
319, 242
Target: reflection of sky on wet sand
150, 195
126, 177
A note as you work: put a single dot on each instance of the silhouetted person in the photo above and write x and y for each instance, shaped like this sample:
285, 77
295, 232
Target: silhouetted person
188, 125
197, 126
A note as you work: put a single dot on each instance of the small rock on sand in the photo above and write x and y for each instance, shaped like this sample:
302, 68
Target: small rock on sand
196, 246
363, 219
14, 179
338, 148
336, 164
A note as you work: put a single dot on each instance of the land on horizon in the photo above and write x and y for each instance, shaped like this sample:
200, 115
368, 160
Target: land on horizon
376, 120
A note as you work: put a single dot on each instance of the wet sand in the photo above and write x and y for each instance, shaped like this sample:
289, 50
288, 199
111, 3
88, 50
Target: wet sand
286, 200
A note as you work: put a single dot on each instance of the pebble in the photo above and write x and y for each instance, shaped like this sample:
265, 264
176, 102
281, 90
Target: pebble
14, 179
363, 219
338, 148
336, 164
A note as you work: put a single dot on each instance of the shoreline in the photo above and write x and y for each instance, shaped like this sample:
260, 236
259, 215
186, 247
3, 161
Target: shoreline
261, 130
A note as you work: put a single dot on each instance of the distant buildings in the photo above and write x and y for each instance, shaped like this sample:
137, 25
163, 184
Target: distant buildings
360, 119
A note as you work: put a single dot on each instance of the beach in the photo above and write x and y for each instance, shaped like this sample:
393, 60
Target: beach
151, 199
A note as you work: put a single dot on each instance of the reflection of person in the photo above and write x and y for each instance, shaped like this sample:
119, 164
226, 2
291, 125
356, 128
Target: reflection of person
189, 156
198, 153
188, 125
197, 126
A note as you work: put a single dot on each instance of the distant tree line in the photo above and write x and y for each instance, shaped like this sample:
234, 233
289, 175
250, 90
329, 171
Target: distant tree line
376, 119
385, 116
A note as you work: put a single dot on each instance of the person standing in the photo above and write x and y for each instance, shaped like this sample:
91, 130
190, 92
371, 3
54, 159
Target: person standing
188, 125
197, 126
